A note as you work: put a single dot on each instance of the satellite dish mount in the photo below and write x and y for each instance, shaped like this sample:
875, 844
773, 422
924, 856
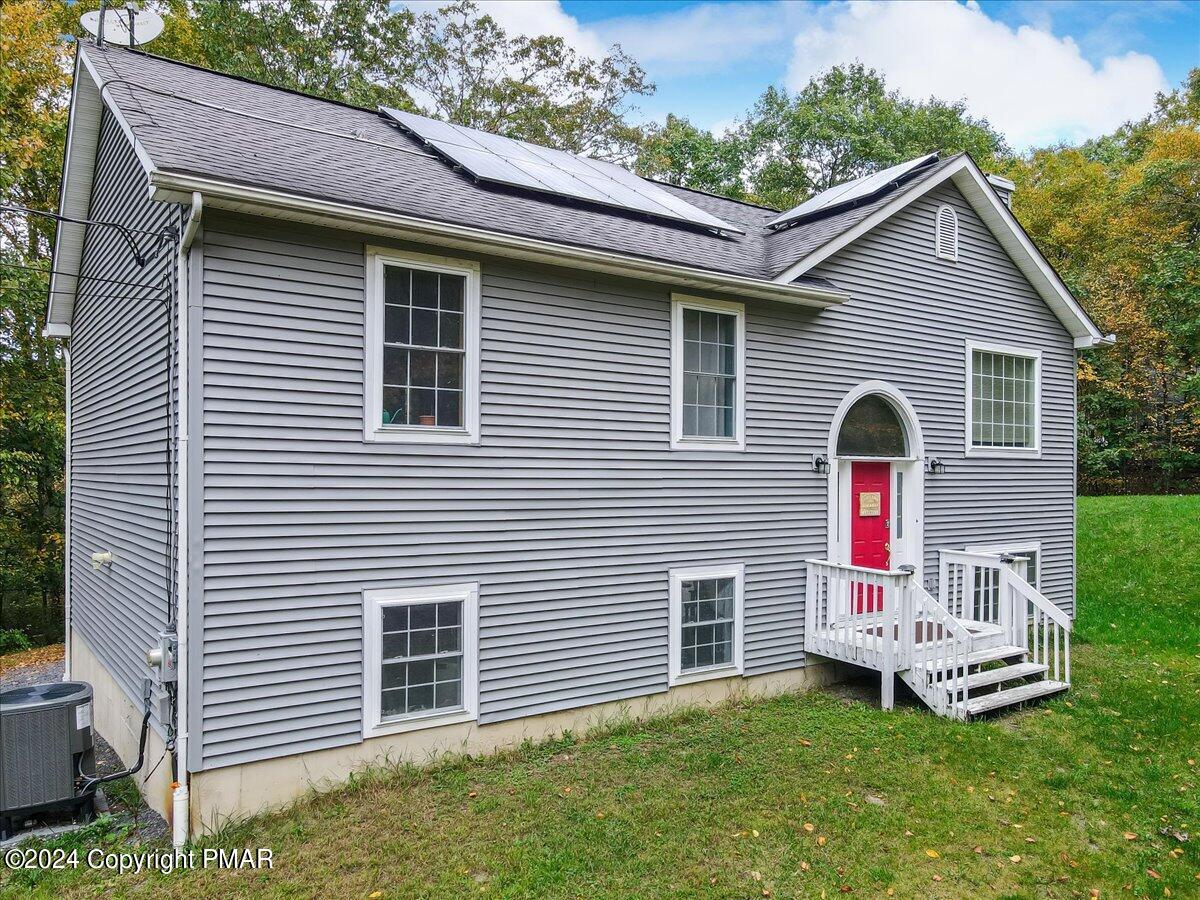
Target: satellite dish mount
128, 25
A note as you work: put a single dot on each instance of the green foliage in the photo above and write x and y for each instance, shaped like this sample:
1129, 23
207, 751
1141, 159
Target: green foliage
846, 123
1119, 218
13, 640
466, 69
680, 153
354, 51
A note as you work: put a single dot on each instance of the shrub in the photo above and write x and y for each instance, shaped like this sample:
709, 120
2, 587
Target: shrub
12, 640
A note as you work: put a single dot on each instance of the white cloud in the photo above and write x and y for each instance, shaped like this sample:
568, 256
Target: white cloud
701, 38
532, 18
1032, 86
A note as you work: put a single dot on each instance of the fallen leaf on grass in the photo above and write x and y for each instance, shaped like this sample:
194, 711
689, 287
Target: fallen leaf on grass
804, 743
757, 876
932, 854
809, 826
375, 894
805, 866
821, 841
907, 833
472, 793
977, 849
937, 877
1152, 873
1130, 836
599, 815
1094, 893
1015, 858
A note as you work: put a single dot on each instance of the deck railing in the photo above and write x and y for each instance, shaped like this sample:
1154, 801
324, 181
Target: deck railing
991, 587
884, 620
850, 611
939, 651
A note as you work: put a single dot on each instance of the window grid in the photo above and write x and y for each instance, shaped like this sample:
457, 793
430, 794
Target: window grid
421, 658
423, 350
1003, 400
707, 616
709, 373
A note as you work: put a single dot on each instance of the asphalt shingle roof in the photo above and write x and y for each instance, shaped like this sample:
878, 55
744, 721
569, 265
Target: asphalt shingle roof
198, 122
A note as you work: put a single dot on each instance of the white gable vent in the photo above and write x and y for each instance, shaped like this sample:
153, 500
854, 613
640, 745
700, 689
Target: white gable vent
945, 242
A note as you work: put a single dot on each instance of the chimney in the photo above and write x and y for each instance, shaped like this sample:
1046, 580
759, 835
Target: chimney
1003, 187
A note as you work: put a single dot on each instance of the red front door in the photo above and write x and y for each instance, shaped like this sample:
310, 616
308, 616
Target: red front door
870, 523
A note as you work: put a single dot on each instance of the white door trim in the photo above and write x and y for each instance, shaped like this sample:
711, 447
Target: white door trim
909, 546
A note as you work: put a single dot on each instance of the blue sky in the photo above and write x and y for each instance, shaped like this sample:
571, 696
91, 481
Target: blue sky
1039, 70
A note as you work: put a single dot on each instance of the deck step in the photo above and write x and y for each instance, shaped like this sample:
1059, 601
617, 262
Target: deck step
989, 702
991, 654
1006, 673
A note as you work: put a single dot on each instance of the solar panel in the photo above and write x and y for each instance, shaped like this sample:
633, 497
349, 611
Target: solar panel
858, 189
490, 157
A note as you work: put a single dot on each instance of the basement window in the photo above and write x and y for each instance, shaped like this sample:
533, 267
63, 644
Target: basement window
706, 623
422, 349
420, 657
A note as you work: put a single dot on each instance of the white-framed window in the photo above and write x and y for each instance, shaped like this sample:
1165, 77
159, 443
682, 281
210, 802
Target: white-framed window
1004, 397
708, 374
1028, 556
706, 623
945, 240
420, 657
421, 337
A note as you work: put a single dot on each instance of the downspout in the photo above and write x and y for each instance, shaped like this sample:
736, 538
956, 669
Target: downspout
181, 796
67, 518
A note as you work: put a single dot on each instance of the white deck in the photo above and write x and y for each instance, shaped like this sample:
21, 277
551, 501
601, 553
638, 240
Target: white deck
887, 622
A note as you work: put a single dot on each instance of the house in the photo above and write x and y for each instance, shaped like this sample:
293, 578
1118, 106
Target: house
391, 438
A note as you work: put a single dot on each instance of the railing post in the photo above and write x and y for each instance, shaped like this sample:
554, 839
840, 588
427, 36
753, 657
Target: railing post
1007, 600
888, 638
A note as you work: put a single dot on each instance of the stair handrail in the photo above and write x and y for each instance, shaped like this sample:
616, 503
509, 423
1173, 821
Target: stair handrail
1051, 626
940, 666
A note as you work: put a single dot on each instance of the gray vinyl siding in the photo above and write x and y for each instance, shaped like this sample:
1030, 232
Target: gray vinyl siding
916, 313
118, 428
573, 508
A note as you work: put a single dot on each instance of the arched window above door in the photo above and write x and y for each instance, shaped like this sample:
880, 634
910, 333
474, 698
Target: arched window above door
871, 427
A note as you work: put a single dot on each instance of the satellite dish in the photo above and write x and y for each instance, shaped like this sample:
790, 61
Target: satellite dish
115, 29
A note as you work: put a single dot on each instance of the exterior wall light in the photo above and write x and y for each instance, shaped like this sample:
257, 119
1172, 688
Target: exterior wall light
935, 466
821, 464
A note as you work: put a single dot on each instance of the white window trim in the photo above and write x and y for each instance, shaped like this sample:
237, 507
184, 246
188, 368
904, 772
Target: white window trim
680, 302
952, 256
1034, 452
677, 577
374, 601
1015, 548
373, 430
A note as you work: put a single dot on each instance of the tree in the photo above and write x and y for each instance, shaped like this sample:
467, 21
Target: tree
846, 123
467, 70
354, 51
33, 90
680, 153
1119, 218
452, 63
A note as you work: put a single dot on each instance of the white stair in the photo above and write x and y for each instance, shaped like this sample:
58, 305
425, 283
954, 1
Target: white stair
1012, 696
1004, 673
985, 688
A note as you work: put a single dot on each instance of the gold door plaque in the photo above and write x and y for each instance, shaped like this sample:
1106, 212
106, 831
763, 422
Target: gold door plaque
868, 503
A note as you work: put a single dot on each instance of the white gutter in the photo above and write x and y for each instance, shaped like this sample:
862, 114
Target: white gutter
67, 519
174, 187
181, 813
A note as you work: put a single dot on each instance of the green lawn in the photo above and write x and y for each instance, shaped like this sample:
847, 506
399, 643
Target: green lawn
815, 794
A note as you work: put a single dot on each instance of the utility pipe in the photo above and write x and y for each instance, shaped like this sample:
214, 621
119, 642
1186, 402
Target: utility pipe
181, 795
